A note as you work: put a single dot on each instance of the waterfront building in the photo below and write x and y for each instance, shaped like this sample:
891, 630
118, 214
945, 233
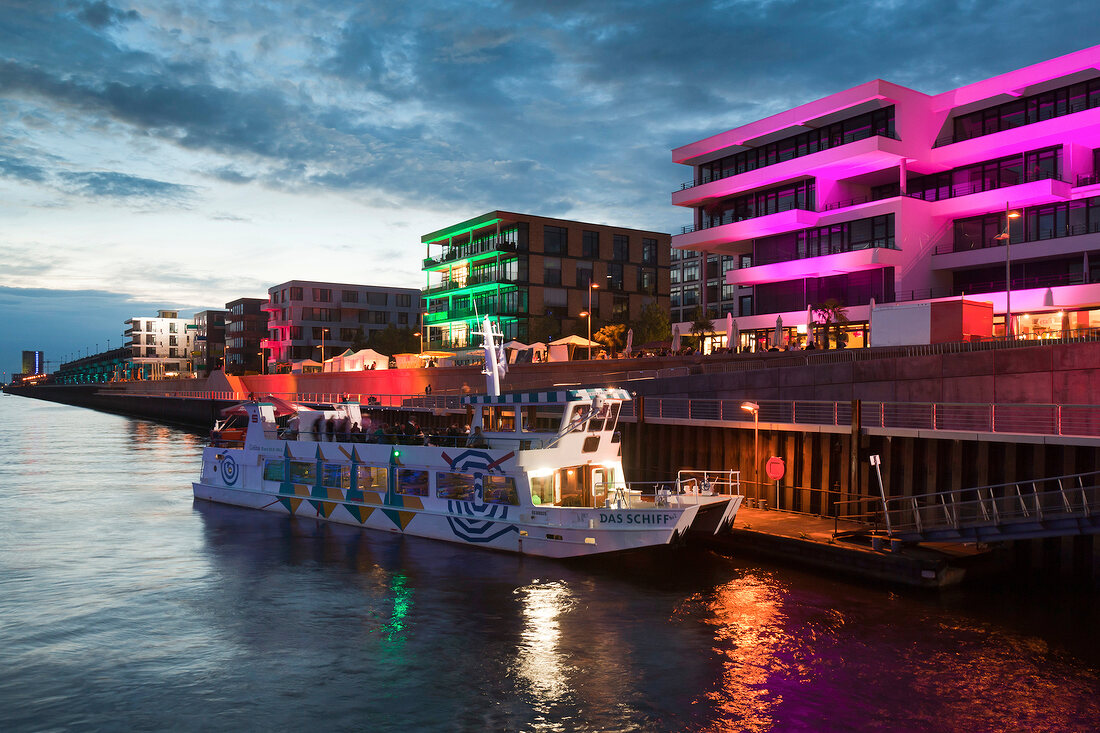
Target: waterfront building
881, 193
161, 346
304, 315
245, 329
33, 363
535, 275
209, 352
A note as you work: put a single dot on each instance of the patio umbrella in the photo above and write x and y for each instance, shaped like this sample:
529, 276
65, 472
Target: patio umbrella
778, 331
629, 342
676, 337
729, 332
809, 325
736, 337
870, 316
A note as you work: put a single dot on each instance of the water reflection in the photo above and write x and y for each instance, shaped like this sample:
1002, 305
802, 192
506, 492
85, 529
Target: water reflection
538, 660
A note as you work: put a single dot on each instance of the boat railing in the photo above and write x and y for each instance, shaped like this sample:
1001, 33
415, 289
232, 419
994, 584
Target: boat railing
651, 494
491, 442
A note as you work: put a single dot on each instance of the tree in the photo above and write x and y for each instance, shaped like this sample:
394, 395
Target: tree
359, 342
829, 313
701, 324
393, 340
652, 325
612, 336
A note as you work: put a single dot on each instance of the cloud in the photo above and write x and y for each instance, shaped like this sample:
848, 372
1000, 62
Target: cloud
121, 185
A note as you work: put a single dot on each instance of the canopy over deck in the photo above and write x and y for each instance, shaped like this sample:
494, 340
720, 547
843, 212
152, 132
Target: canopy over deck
559, 397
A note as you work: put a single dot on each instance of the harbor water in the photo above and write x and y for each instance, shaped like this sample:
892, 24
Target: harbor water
126, 605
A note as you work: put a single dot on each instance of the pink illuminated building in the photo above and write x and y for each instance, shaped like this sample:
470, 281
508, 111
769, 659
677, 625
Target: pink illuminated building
882, 192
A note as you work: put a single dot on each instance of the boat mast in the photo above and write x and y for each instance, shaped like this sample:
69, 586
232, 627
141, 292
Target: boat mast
494, 366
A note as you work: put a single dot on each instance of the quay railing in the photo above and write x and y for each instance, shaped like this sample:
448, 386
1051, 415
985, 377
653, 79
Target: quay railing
1015, 419
1034, 508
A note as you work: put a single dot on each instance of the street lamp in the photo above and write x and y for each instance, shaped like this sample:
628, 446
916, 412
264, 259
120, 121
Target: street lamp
323, 332
263, 362
1006, 236
591, 286
754, 408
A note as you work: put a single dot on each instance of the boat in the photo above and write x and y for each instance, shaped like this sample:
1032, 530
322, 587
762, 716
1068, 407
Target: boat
540, 473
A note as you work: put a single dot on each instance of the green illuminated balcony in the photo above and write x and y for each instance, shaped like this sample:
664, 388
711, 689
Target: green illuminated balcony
465, 253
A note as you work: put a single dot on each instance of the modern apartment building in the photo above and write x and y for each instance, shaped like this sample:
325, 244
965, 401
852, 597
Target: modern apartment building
304, 316
534, 276
209, 352
245, 329
882, 192
160, 346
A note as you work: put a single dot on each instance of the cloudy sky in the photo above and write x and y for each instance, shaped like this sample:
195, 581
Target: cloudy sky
182, 153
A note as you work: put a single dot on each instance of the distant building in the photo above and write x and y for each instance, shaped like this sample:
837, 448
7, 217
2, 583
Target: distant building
303, 315
534, 276
161, 346
209, 352
883, 194
245, 328
33, 363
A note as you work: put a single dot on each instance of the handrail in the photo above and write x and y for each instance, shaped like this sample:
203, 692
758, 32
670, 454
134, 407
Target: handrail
954, 191
1069, 230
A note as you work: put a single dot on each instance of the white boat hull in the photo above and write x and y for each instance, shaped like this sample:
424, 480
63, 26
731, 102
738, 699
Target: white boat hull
551, 532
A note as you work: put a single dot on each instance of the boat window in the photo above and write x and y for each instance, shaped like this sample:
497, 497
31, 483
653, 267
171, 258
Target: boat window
371, 477
500, 490
542, 418
273, 470
336, 476
572, 485
411, 482
591, 444
301, 471
456, 486
505, 420
613, 415
579, 411
542, 489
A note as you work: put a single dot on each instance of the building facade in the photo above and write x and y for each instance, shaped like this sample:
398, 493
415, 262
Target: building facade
33, 363
882, 194
161, 346
209, 352
319, 320
534, 276
245, 329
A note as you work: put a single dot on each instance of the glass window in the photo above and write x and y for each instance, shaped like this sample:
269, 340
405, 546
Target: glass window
455, 486
404, 300
649, 251
542, 489
500, 490
303, 472
590, 245
412, 482
295, 293
620, 247
349, 296
555, 297
371, 477
336, 476
273, 470
555, 240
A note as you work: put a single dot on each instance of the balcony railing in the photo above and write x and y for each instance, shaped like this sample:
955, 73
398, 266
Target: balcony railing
1069, 109
942, 193
730, 218
883, 243
471, 282
455, 314
463, 252
1088, 180
1038, 236
849, 138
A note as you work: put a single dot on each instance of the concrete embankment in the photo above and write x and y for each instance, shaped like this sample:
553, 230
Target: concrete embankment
193, 413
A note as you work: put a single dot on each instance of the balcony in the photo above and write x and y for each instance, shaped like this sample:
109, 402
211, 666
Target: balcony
871, 255
744, 229
982, 197
459, 252
471, 282
1062, 242
730, 218
459, 314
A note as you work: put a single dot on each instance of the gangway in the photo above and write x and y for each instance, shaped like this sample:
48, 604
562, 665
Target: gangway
1047, 507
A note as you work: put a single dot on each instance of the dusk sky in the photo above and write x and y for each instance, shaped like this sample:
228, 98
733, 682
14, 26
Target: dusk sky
179, 154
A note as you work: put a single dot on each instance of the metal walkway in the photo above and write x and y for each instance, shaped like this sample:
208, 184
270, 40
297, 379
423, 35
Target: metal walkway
1051, 507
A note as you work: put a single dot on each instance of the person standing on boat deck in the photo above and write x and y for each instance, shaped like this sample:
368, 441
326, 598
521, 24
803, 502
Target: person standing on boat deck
477, 439
316, 429
330, 429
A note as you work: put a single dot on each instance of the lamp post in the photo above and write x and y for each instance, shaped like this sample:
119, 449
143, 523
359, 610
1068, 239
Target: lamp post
1006, 237
263, 362
754, 408
591, 286
323, 332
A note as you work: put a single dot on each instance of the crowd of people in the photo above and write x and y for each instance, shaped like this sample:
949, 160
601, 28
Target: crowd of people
344, 430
